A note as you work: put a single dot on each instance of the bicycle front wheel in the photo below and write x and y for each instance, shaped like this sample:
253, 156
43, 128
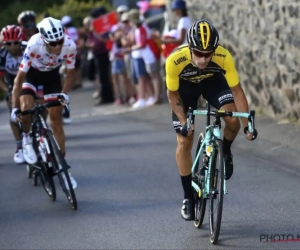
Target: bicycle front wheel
61, 168
216, 191
200, 202
46, 178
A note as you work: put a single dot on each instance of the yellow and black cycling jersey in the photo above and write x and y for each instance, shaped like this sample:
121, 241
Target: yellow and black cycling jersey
179, 68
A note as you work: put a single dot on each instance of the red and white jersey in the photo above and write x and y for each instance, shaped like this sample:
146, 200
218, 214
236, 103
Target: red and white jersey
141, 36
37, 56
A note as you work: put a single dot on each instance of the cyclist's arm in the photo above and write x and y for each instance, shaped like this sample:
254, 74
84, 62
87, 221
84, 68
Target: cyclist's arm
70, 71
69, 80
234, 83
16, 92
172, 81
2, 71
177, 105
240, 101
2, 82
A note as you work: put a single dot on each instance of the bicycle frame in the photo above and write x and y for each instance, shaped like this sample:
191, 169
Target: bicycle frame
38, 122
212, 133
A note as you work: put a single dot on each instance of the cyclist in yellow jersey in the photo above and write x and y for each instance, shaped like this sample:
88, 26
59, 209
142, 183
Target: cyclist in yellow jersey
203, 67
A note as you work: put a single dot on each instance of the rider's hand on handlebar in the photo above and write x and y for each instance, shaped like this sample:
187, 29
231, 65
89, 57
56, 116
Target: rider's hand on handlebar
14, 116
250, 137
63, 98
185, 132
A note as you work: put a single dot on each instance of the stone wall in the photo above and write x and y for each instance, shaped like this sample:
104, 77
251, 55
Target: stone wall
264, 38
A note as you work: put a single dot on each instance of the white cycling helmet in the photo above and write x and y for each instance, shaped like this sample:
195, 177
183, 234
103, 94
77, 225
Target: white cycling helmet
51, 29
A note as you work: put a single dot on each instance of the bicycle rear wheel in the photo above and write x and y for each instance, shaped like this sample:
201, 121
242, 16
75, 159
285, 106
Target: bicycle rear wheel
216, 191
61, 168
200, 202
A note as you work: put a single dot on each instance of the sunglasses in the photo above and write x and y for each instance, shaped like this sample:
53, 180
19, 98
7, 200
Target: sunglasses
12, 43
30, 25
198, 53
54, 44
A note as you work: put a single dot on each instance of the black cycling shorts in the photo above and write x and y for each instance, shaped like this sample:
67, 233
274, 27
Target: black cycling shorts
214, 89
42, 84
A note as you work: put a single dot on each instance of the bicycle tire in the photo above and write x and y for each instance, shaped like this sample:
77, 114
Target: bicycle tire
45, 174
46, 179
200, 202
216, 184
58, 158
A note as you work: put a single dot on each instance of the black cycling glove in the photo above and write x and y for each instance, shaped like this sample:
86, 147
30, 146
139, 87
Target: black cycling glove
254, 134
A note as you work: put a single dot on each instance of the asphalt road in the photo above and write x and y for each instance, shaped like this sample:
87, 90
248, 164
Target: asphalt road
129, 191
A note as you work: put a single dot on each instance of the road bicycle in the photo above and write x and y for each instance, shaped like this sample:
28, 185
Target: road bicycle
50, 160
208, 170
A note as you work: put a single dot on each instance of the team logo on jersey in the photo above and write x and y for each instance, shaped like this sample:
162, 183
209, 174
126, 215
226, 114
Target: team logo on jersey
197, 79
180, 60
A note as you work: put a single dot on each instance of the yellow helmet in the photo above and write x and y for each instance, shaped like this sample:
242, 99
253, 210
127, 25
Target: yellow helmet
203, 36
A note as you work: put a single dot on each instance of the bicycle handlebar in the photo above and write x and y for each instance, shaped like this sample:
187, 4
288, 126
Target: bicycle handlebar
41, 107
222, 113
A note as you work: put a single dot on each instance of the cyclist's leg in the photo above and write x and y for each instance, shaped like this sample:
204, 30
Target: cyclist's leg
52, 87
219, 95
27, 100
18, 156
189, 93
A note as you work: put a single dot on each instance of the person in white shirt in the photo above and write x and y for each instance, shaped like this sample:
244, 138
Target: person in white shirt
184, 23
141, 55
118, 65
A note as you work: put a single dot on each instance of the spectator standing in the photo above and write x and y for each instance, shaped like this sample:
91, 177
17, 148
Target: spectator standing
97, 43
184, 23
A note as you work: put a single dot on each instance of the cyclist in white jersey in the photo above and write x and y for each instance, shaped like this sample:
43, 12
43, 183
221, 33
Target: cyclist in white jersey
38, 78
11, 55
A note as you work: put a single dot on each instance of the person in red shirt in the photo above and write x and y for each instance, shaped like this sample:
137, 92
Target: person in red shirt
27, 22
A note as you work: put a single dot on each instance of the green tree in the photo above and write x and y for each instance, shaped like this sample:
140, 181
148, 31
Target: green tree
9, 12
76, 9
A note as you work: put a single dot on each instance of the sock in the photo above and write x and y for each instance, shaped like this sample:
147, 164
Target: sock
19, 145
26, 138
187, 186
226, 146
